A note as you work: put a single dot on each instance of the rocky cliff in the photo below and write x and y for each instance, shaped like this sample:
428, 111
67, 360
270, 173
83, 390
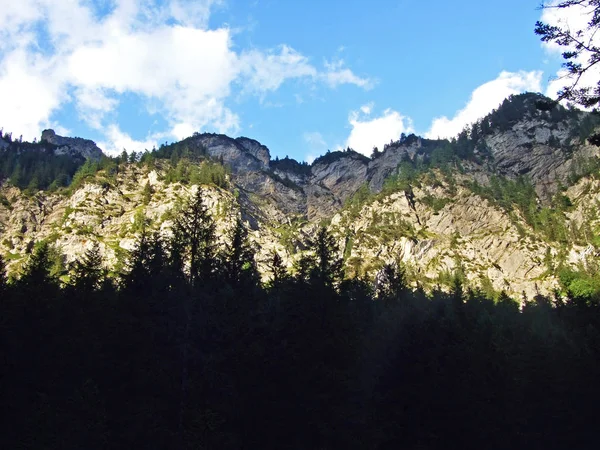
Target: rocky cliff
72, 146
443, 208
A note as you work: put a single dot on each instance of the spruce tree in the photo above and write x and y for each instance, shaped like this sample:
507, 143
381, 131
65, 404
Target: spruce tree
147, 193
89, 273
390, 282
38, 271
194, 238
329, 263
137, 277
322, 264
3, 279
238, 257
278, 270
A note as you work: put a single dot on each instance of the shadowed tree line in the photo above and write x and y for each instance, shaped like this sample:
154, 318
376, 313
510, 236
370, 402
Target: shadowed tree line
189, 350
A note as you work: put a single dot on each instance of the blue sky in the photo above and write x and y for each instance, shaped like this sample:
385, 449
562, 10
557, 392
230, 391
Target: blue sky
301, 77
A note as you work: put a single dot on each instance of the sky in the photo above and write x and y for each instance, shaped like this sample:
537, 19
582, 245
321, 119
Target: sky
300, 77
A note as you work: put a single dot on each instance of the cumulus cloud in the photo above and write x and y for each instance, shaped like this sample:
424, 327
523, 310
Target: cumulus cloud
368, 132
118, 140
30, 91
267, 71
483, 99
53, 52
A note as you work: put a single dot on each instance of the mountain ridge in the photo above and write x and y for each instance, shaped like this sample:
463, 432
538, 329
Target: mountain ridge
489, 205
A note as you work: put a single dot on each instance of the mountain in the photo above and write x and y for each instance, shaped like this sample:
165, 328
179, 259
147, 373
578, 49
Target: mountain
72, 146
509, 204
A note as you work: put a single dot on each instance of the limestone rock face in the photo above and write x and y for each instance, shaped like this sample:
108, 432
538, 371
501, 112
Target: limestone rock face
439, 226
230, 151
72, 146
525, 150
468, 234
256, 149
384, 165
342, 177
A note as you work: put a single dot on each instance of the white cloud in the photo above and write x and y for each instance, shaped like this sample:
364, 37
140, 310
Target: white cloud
366, 109
192, 12
483, 99
117, 141
370, 132
267, 71
30, 89
92, 104
56, 51
336, 74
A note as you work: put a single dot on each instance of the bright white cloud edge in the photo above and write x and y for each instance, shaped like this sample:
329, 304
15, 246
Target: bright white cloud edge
483, 100
368, 132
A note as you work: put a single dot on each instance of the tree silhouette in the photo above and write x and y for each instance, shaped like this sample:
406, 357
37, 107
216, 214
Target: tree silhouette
37, 274
328, 268
239, 266
194, 239
278, 271
390, 282
88, 272
147, 265
3, 277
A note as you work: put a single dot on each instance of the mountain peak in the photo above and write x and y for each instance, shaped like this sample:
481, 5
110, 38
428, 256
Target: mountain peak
72, 146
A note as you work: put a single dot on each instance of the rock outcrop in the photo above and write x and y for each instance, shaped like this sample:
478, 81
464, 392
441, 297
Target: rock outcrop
72, 146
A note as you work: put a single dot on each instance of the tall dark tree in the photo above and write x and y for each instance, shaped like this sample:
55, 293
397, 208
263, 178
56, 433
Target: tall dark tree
323, 263
38, 271
194, 238
147, 265
279, 273
239, 265
137, 276
3, 278
89, 273
390, 282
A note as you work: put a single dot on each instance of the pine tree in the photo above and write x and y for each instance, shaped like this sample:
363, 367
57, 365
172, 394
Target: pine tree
148, 263
330, 264
157, 264
89, 273
137, 276
390, 282
3, 279
322, 264
37, 273
194, 238
147, 193
278, 270
238, 257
